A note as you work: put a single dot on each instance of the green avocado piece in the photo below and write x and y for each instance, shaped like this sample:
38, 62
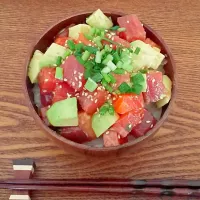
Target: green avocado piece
101, 123
63, 113
51, 55
34, 67
99, 20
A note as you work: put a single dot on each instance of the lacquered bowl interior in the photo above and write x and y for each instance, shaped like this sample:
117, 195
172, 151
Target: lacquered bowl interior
45, 41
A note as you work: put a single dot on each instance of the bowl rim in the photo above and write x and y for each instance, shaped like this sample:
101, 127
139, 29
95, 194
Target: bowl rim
84, 147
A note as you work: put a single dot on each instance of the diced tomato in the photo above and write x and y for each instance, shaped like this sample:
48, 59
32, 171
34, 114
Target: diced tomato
134, 28
110, 138
42, 113
61, 40
120, 78
84, 40
126, 122
62, 91
46, 79
121, 41
90, 101
85, 123
46, 98
73, 73
147, 124
128, 102
153, 44
155, 87
74, 133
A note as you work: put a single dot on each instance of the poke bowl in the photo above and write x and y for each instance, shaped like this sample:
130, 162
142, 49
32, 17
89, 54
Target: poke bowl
100, 83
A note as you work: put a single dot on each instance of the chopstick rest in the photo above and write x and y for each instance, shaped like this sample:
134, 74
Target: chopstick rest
23, 169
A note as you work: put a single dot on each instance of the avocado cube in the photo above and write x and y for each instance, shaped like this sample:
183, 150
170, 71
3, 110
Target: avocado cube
101, 123
63, 113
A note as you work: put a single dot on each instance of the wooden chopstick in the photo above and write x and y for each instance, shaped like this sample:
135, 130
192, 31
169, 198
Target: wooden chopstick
161, 183
107, 189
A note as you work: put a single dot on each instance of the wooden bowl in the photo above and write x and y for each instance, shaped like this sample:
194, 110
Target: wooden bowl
45, 41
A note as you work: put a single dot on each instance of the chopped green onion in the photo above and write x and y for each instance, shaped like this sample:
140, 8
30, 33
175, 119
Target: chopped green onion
137, 89
137, 50
116, 57
92, 31
114, 28
98, 57
59, 73
128, 67
106, 70
89, 37
137, 79
98, 31
121, 29
78, 53
97, 77
108, 58
97, 40
102, 33
71, 45
89, 65
112, 78
92, 50
67, 53
144, 71
111, 65
111, 110
106, 85
119, 64
106, 78
86, 55
111, 41
124, 88
103, 110
107, 48
59, 61
79, 47
91, 85
119, 71
80, 60
109, 88
87, 73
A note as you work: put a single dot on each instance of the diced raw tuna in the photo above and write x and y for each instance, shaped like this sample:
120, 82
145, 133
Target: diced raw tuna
155, 87
110, 139
146, 124
74, 133
73, 73
90, 101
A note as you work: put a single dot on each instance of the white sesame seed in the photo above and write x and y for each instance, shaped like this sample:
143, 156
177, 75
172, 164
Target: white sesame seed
148, 122
111, 46
60, 86
73, 84
54, 65
153, 80
114, 98
46, 79
44, 90
97, 109
69, 95
79, 84
107, 132
127, 21
129, 126
118, 136
65, 79
106, 30
76, 78
75, 72
89, 45
95, 93
86, 94
140, 122
113, 33
151, 126
79, 41
49, 106
95, 101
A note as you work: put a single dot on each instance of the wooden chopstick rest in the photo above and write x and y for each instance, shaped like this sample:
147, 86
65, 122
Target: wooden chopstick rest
23, 169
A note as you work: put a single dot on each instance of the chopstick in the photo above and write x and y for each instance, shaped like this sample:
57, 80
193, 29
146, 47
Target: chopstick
139, 187
161, 183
